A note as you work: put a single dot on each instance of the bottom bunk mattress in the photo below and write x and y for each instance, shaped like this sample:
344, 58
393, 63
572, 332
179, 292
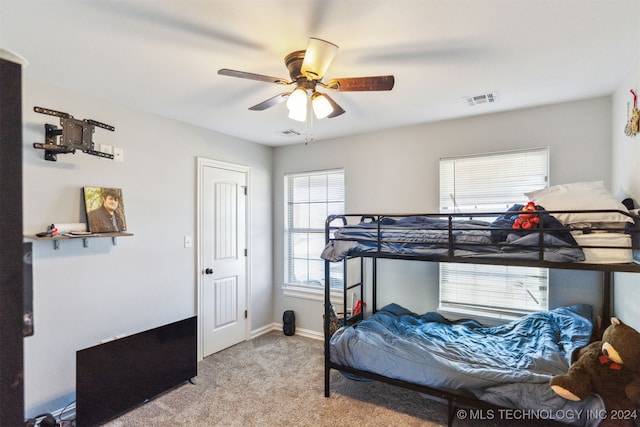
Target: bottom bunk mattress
508, 365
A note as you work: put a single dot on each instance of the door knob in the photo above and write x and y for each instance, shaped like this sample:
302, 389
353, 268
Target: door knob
208, 271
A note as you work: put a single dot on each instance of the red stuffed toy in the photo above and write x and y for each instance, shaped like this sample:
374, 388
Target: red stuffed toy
527, 219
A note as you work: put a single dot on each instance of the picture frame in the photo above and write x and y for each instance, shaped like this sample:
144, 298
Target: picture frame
104, 207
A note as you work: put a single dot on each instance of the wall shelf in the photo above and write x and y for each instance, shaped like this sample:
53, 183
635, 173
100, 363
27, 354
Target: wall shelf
85, 239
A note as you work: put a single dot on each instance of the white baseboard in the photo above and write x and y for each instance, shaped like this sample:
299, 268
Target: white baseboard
310, 334
265, 330
278, 327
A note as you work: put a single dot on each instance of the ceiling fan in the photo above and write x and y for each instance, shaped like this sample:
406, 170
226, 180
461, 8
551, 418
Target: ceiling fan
306, 69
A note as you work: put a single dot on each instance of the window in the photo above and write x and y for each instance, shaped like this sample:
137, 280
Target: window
492, 183
310, 198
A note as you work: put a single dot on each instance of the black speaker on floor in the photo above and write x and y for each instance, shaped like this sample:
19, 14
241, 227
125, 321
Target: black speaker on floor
289, 322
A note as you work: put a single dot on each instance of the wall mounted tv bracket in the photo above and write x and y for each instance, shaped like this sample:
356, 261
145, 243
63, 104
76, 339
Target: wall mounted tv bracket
74, 135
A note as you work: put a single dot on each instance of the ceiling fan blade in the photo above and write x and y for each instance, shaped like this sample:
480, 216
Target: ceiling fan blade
317, 58
252, 76
337, 110
270, 102
353, 84
148, 13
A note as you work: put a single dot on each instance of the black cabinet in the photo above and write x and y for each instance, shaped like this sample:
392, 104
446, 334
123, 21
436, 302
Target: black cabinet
11, 250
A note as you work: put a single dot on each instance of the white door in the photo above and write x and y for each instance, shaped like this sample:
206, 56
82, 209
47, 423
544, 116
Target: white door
223, 255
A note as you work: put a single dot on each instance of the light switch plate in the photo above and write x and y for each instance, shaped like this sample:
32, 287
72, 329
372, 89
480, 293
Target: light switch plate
118, 154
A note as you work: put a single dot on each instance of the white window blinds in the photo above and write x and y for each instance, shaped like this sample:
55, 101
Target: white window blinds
495, 291
310, 198
492, 183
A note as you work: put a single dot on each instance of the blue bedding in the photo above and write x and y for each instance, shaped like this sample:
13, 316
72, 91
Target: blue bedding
430, 236
508, 365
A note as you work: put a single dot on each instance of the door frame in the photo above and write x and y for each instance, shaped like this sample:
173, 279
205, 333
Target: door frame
203, 162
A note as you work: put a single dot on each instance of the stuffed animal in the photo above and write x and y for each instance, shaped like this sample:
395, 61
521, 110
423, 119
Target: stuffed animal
527, 219
609, 368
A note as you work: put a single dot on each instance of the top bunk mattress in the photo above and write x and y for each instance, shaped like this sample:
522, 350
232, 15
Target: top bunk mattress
441, 237
605, 248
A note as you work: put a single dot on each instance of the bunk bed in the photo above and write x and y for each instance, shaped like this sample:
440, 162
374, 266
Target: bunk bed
463, 362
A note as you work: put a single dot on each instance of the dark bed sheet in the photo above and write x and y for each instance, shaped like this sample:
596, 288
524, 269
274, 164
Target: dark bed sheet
508, 365
433, 236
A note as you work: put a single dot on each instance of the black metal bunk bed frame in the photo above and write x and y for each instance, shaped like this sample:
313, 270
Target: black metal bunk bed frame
454, 400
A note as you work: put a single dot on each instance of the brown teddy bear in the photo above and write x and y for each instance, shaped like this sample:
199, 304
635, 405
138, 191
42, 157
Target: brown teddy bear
609, 368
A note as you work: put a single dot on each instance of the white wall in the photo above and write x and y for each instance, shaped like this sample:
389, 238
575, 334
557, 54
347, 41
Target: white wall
626, 183
396, 171
84, 295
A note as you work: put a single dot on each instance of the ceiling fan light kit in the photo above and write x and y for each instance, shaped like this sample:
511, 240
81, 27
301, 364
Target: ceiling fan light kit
297, 100
321, 105
306, 69
318, 58
298, 105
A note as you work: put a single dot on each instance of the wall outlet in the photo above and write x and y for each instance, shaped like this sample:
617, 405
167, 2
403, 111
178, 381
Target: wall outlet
118, 154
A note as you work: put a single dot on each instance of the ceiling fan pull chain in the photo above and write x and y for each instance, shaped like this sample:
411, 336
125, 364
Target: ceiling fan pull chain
309, 126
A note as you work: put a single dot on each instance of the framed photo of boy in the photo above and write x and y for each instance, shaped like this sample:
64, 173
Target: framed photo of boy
105, 209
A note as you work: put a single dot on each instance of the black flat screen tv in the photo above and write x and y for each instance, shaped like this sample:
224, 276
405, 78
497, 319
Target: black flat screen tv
117, 376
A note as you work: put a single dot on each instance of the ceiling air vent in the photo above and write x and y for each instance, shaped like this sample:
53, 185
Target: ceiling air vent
290, 132
485, 98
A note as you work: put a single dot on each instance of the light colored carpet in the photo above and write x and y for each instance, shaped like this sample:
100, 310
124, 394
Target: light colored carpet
277, 380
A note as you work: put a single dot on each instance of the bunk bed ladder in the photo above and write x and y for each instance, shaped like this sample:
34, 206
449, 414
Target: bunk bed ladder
374, 284
348, 318
327, 309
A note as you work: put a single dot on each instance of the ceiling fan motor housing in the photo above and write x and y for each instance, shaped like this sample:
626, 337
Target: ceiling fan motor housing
293, 61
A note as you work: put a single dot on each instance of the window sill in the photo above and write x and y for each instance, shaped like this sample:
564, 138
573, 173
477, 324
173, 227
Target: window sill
314, 294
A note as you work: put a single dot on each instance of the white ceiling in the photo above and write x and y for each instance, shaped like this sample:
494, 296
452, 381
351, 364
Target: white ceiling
162, 56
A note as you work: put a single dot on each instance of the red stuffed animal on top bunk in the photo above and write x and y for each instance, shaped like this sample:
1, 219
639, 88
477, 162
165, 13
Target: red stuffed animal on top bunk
527, 219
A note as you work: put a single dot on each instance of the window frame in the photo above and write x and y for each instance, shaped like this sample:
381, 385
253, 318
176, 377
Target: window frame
298, 289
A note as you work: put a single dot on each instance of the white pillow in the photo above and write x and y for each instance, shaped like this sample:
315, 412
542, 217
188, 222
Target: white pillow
580, 196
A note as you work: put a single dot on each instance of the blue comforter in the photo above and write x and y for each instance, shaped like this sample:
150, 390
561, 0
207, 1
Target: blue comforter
430, 236
508, 365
